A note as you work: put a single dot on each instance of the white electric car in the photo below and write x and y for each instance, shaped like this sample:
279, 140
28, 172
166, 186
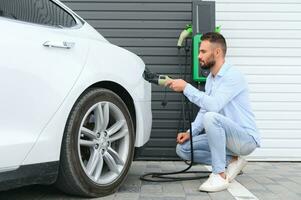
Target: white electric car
73, 106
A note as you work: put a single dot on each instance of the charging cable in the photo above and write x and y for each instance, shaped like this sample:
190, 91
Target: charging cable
167, 177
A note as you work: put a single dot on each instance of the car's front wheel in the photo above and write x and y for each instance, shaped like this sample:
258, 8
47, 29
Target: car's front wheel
98, 145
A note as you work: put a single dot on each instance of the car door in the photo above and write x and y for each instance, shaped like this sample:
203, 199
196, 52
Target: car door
41, 57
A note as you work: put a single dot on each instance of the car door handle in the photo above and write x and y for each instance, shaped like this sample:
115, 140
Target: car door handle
59, 44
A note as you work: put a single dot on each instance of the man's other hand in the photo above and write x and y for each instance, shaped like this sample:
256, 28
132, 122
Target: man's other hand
183, 137
177, 85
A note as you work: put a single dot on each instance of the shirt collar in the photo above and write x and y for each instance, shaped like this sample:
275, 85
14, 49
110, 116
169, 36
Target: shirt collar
223, 69
221, 72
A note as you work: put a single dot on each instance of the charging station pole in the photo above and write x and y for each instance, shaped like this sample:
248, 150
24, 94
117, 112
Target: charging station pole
203, 21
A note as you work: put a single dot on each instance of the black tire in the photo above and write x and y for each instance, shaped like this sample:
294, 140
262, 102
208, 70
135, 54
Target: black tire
72, 178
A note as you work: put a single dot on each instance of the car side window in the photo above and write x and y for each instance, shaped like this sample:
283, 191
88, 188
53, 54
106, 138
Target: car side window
43, 12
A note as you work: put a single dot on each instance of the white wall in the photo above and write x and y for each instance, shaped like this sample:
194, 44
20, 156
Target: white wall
264, 41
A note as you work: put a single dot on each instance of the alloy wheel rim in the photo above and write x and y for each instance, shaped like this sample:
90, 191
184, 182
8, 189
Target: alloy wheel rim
103, 142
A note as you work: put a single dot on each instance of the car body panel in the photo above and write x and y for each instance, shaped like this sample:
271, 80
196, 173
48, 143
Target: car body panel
37, 100
36, 80
102, 65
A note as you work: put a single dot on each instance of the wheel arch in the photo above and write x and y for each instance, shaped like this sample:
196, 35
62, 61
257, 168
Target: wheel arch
122, 93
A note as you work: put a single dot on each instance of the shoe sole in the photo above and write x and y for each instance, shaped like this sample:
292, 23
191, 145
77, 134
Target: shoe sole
213, 190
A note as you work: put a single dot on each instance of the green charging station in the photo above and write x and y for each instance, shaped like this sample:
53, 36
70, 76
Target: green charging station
203, 21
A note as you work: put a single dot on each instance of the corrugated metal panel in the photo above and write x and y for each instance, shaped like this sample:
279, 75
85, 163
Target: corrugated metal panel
264, 40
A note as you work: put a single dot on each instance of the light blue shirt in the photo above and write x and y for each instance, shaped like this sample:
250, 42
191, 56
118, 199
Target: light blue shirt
227, 93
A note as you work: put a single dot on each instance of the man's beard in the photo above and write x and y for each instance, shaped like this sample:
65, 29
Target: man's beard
208, 65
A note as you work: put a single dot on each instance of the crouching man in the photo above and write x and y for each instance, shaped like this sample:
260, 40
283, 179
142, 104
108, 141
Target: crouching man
225, 114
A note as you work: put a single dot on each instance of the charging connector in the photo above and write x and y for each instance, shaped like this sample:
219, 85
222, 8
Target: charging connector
155, 78
162, 79
184, 34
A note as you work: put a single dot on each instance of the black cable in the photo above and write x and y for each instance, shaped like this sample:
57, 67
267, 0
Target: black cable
164, 101
182, 97
165, 177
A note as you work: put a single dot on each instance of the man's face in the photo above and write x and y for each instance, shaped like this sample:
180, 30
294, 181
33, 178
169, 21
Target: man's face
206, 55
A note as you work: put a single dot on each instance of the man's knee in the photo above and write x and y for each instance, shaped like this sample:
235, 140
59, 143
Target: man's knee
209, 119
183, 152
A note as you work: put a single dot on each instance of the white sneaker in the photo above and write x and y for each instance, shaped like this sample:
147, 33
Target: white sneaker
235, 167
214, 183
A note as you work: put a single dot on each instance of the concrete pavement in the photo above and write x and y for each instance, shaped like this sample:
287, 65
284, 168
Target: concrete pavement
264, 180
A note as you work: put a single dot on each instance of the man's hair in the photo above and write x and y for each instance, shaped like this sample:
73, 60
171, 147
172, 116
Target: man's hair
216, 38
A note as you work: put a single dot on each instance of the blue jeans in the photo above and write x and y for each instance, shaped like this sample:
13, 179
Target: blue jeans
223, 139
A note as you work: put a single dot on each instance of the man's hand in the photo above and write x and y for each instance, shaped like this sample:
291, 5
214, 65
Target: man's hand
177, 85
183, 137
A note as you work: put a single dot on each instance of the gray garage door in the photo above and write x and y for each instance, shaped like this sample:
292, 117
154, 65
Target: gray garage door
150, 29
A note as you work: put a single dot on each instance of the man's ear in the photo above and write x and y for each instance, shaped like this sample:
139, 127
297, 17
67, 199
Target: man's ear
218, 51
